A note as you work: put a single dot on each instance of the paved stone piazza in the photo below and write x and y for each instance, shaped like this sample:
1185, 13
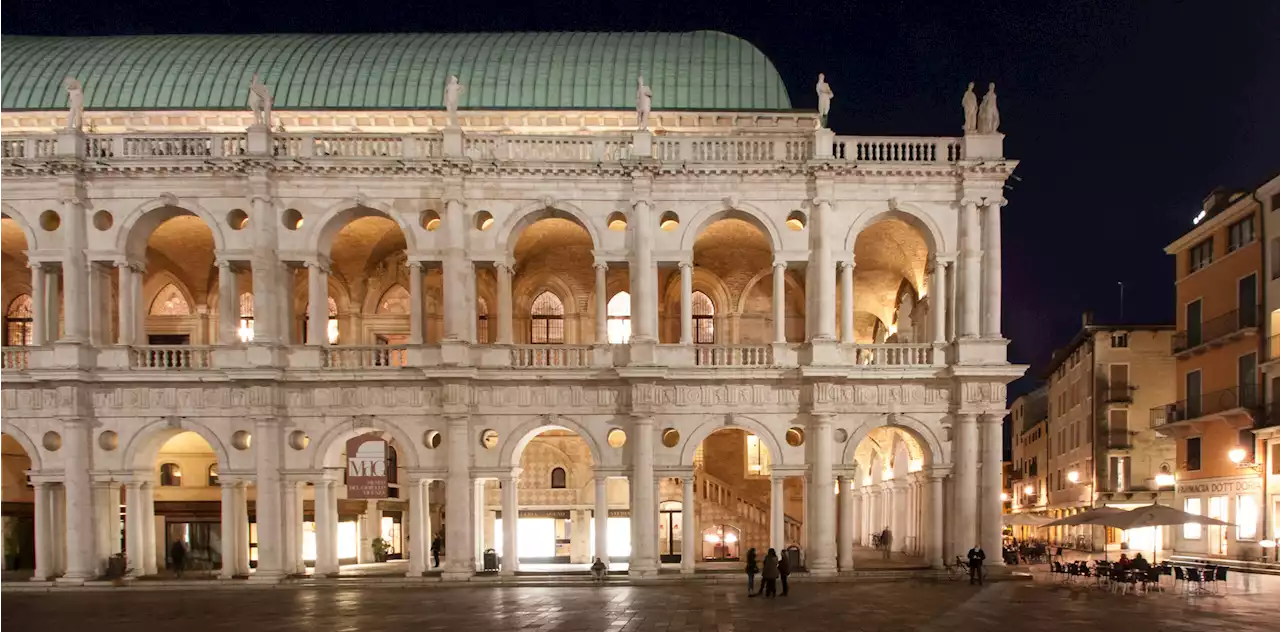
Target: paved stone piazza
904, 605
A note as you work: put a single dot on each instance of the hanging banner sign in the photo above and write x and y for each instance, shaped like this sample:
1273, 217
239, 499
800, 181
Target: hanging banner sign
367, 467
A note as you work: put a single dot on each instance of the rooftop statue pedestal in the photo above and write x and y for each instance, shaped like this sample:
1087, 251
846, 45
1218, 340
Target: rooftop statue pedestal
824, 141
70, 143
258, 140
982, 351
975, 146
641, 144
453, 141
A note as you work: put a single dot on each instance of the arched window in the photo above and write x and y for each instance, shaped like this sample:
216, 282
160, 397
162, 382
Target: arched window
482, 322
213, 475
619, 318
704, 325
546, 320
394, 301
170, 302
558, 478
246, 317
170, 475
17, 322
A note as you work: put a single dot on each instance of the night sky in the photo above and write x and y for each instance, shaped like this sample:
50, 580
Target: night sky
1124, 114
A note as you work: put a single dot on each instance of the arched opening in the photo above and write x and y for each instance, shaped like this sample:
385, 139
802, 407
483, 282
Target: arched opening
735, 251
15, 284
245, 331
369, 262
704, 319
619, 324
890, 256
482, 322
555, 498
889, 494
179, 277
18, 507
553, 274
733, 499
358, 517
188, 503
18, 322
546, 320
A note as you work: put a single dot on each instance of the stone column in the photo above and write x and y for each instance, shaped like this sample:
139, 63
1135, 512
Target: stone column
602, 517
78, 460
318, 305
846, 302
39, 315
510, 522
326, 513
934, 551
228, 305
504, 303
602, 302
970, 270
686, 302
416, 319
419, 528
102, 522
292, 528
855, 524
482, 524
133, 519
151, 562
643, 276
779, 301
966, 479
868, 508
52, 303
991, 535
75, 274
824, 274
777, 515
824, 535
268, 455
455, 270
58, 525
242, 529
688, 519
228, 527
459, 563
938, 299
100, 304
991, 273
45, 534
845, 523
643, 509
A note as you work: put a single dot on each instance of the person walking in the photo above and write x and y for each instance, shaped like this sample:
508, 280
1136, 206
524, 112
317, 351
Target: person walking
178, 554
976, 557
886, 541
769, 576
752, 569
784, 569
435, 552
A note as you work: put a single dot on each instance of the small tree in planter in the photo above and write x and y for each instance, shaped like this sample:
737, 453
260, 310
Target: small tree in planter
380, 548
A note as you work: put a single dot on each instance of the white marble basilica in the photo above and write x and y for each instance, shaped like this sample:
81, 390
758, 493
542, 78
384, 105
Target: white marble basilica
624, 310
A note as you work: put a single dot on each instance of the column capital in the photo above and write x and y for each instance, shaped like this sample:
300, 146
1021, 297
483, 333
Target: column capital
318, 264
821, 419
456, 419
638, 200
684, 264
598, 265
642, 419
414, 264
993, 416
779, 263
971, 201
995, 202
454, 197
511, 475
965, 417
847, 264
821, 201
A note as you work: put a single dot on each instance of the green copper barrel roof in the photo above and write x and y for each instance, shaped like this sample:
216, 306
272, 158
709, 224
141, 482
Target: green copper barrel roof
703, 70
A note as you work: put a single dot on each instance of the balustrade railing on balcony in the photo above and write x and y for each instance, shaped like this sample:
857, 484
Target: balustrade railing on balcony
364, 357
899, 149
17, 358
894, 354
1117, 393
1215, 328
1245, 396
170, 358
551, 356
733, 355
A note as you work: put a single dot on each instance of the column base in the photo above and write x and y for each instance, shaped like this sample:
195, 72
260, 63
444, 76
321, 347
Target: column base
413, 574
457, 576
507, 572
687, 571
70, 581
643, 572
267, 577
823, 572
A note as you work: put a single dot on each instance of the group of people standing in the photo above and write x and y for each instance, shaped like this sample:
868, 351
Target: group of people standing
771, 570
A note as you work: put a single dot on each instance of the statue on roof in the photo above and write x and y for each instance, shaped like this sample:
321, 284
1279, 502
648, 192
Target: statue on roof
824, 98
452, 94
75, 102
988, 113
260, 102
644, 103
970, 105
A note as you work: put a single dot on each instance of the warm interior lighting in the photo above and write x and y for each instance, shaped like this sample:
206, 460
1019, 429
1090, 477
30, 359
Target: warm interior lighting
434, 223
1164, 480
795, 224
1267, 544
670, 224
299, 224
486, 223
1236, 455
730, 538
712, 538
1004, 497
1073, 476
333, 331
1029, 490
618, 225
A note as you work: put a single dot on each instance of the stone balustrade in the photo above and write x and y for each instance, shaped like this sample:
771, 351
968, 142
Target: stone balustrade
170, 358
898, 355
15, 358
364, 357
733, 355
488, 146
551, 356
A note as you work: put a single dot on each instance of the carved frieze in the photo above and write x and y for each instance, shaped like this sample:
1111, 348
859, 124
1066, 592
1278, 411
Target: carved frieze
545, 397
852, 396
985, 393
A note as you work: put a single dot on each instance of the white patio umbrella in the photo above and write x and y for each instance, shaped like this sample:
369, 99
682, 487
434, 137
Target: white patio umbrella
1156, 516
1088, 517
1024, 520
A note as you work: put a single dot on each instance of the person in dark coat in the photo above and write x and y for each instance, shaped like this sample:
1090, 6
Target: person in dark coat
886, 541
435, 552
752, 569
769, 574
178, 554
976, 557
784, 569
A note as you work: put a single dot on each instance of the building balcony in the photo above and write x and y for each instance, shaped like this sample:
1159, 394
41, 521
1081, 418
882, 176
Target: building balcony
1121, 394
764, 360
1216, 331
1245, 398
